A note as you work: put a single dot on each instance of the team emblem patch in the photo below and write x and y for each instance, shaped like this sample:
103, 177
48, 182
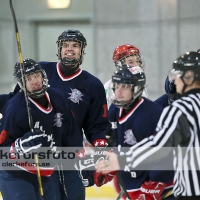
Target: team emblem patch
58, 119
129, 137
75, 96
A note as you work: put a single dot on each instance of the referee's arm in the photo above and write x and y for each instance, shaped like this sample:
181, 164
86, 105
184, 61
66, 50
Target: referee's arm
173, 130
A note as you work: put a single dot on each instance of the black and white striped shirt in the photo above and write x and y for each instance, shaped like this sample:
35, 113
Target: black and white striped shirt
179, 128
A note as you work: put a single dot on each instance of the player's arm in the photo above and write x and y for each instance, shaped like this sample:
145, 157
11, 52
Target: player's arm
168, 136
172, 129
4, 98
15, 133
96, 120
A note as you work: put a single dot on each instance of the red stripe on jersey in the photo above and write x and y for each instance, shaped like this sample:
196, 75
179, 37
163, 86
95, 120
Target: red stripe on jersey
3, 136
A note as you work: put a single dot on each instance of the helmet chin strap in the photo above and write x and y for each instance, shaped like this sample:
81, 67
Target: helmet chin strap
70, 62
136, 95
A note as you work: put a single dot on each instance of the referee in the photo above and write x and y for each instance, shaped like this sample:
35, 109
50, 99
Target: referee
178, 128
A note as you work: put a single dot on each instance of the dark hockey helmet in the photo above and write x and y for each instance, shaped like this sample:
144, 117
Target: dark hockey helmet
170, 90
188, 61
30, 67
71, 35
129, 76
123, 51
169, 86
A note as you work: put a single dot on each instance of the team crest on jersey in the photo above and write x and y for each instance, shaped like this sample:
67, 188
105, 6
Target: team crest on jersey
129, 137
58, 119
75, 96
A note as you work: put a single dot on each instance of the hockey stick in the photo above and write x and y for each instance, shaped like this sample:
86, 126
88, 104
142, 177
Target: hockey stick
167, 194
122, 188
25, 94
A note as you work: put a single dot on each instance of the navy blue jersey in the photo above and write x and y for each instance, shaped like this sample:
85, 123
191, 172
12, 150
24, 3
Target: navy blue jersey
86, 97
57, 121
4, 98
162, 101
130, 129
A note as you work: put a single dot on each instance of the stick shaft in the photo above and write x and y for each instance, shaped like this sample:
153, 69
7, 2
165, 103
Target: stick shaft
122, 187
25, 94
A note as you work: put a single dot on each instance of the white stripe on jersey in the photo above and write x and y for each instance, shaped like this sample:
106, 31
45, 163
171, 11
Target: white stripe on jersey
186, 182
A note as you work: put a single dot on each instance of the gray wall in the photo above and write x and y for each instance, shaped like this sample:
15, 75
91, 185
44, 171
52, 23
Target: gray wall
161, 29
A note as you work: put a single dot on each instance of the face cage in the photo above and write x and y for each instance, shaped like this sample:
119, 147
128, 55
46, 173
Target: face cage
184, 75
173, 73
136, 94
67, 61
121, 61
38, 93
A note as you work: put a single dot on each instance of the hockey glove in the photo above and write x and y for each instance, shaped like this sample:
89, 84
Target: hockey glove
100, 148
30, 141
101, 179
151, 190
85, 167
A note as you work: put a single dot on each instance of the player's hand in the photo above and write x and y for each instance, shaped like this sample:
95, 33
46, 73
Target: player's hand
30, 141
151, 190
109, 165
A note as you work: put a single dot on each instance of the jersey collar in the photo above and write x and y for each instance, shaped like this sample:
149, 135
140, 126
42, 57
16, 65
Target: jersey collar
67, 78
45, 110
124, 118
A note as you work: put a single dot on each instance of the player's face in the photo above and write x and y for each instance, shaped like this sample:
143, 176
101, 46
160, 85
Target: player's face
71, 49
187, 79
123, 92
34, 82
132, 61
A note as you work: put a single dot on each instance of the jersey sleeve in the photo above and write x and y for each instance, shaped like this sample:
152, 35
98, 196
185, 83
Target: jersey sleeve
71, 130
12, 126
96, 120
162, 101
4, 98
172, 129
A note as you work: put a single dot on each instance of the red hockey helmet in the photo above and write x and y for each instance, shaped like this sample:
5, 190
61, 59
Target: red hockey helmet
123, 51
126, 50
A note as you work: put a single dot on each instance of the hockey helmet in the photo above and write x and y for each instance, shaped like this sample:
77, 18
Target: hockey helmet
188, 61
126, 50
71, 35
30, 67
133, 77
170, 90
